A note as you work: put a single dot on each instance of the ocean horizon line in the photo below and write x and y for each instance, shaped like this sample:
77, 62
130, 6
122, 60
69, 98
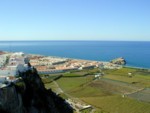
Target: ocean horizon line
75, 40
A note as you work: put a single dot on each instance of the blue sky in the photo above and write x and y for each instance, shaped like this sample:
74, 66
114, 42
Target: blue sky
75, 20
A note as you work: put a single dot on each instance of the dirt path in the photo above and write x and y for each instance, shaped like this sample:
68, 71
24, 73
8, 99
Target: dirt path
59, 90
134, 91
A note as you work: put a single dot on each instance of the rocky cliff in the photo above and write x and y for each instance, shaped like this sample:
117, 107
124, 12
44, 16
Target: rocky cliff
29, 95
119, 61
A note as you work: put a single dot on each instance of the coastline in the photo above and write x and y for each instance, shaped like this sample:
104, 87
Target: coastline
69, 58
134, 67
126, 66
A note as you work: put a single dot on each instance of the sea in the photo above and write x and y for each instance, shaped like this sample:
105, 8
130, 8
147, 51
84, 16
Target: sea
137, 54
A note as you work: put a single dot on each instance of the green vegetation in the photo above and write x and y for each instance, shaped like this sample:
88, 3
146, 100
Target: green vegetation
49, 78
117, 104
50, 85
79, 73
68, 84
138, 77
20, 86
110, 93
86, 110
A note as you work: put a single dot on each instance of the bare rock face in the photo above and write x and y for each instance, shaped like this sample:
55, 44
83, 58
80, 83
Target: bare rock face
10, 100
119, 61
30, 96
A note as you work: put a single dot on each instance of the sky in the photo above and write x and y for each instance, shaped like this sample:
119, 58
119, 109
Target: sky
127, 20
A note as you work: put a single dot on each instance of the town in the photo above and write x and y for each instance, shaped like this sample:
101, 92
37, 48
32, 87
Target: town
11, 64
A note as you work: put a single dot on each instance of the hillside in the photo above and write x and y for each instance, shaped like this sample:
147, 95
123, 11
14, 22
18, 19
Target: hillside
28, 95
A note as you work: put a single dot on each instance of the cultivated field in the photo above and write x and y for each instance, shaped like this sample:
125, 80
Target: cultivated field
115, 92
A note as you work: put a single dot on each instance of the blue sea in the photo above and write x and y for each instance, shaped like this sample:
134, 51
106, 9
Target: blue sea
137, 54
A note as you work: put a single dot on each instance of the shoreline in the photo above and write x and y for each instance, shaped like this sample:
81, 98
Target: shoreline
126, 66
69, 58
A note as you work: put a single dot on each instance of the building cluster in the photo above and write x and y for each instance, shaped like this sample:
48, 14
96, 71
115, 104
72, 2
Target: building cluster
108, 65
48, 61
11, 64
49, 65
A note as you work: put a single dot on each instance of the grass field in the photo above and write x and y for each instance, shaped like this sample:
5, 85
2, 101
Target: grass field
80, 73
106, 94
69, 84
139, 77
143, 95
117, 104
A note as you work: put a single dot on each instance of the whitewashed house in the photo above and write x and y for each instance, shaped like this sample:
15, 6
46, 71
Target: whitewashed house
17, 63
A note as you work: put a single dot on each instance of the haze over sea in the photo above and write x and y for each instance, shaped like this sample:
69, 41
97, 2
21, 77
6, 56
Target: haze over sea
137, 54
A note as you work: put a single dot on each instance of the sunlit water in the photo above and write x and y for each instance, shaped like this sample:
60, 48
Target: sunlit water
136, 53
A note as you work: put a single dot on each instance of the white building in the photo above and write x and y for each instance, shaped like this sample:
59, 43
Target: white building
17, 63
3, 59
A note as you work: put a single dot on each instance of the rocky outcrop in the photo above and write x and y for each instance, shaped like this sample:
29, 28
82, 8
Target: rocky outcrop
10, 100
119, 61
30, 96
